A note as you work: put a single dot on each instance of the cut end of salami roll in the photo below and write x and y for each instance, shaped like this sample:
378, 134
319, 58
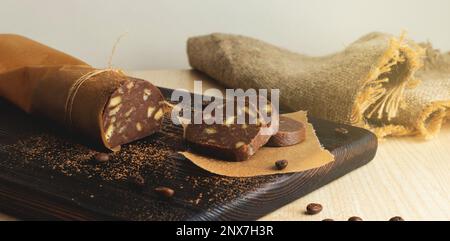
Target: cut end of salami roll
134, 111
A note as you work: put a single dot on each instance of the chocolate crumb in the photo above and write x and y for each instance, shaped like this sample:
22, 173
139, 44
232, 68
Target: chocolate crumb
165, 191
281, 164
137, 180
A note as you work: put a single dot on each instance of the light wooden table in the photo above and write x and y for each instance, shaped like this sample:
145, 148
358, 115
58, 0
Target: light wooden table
408, 177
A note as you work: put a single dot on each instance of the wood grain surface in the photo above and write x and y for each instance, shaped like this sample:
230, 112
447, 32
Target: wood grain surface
35, 185
408, 177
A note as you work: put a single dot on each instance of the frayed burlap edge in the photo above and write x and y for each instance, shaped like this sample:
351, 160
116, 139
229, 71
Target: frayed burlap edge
427, 125
387, 100
432, 118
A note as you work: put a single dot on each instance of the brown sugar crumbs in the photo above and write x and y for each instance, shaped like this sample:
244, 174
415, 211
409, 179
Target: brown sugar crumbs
69, 158
155, 158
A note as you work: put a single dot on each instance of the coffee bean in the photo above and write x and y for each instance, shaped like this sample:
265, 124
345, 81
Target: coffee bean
165, 191
281, 164
137, 180
328, 219
355, 218
313, 208
396, 218
101, 157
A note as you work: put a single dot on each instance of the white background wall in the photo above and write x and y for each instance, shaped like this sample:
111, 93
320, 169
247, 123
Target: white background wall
158, 29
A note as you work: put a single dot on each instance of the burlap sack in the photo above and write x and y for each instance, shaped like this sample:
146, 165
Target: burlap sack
363, 85
426, 107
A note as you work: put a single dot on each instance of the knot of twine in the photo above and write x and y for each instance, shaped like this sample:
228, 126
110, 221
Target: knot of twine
73, 90
76, 86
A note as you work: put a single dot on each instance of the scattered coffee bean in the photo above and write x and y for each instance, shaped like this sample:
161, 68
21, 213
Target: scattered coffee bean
313, 208
137, 180
281, 164
101, 157
328, 220
165, 191
355, 218
396, 218
341, 131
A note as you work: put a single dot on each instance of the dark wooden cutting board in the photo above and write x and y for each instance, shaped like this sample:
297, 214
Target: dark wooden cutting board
46, 174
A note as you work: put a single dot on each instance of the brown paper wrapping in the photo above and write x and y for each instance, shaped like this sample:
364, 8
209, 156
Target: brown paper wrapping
301, 157
37, 79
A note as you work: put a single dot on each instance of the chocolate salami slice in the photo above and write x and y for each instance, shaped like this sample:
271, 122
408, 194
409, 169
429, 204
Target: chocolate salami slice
290, 132
228, 140
134, 110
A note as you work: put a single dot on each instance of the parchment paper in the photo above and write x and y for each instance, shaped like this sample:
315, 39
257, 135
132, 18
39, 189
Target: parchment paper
301, 157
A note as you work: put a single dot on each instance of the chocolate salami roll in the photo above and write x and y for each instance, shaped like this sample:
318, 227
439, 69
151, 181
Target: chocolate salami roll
109, 108
106, 106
